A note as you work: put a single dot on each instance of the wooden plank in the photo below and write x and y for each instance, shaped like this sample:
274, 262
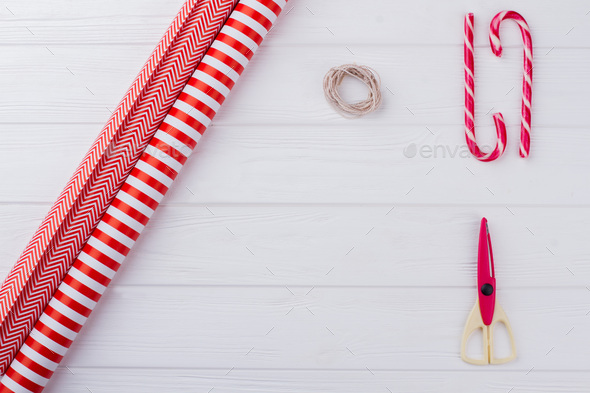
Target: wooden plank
352, 246
327, 328
349, 22
492, 380
331, 164
425, 85
387, 165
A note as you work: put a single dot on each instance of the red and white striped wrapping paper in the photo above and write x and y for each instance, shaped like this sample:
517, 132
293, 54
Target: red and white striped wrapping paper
41, 268
130, 211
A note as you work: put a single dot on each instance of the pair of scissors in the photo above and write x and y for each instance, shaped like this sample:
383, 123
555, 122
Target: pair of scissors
487, 311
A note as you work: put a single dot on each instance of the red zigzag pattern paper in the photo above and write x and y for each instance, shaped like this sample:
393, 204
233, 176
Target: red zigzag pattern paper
41, 268
138, 198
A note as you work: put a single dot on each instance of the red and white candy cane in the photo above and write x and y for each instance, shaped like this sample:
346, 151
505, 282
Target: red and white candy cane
527, 82
138, 198
41, 268
470, 87
470, 103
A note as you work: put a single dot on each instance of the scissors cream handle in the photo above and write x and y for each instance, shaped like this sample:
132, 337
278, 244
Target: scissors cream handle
500, 316
474, 322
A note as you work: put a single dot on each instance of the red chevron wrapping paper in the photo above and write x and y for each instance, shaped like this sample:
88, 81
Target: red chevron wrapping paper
138, 198
60, 238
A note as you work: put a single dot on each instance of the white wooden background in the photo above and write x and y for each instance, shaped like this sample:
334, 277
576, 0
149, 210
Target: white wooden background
302, 252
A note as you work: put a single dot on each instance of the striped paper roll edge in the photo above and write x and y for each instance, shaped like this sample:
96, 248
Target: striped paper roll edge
41, 268
124, 220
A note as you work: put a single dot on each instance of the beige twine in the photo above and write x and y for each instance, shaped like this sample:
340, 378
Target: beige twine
365, 74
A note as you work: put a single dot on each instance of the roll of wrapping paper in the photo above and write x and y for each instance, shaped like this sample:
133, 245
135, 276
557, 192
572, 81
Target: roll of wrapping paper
60, 238
130, 211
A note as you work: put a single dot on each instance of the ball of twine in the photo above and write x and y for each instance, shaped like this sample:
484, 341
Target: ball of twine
366, 75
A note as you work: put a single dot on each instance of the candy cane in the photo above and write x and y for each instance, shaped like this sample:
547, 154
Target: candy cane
470, 103
470, 88
138, 198
527, 82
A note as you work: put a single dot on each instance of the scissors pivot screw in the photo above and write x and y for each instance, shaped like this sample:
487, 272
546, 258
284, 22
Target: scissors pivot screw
487, 289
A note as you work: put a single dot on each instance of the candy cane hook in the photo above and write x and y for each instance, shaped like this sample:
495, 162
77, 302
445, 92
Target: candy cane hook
527, 81
470, 103
470, 87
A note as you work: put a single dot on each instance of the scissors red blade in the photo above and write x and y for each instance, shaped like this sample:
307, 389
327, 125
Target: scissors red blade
486, 282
